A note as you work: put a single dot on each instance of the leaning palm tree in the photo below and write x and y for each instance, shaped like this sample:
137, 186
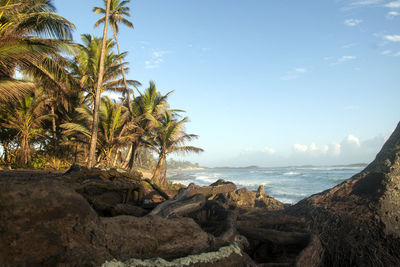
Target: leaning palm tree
118, 11
30, 34
26, 116
170, 137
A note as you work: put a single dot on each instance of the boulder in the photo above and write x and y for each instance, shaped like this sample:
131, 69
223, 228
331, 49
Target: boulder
358, 221
43, 222
246, 198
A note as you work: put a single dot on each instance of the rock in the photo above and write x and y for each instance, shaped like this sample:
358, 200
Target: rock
225, 257
43, 222
357, 221
246, 198
77, 171
128, 209
46, 223
219, 187
148, 237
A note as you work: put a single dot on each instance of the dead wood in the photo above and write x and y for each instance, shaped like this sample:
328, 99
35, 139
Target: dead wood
275, 236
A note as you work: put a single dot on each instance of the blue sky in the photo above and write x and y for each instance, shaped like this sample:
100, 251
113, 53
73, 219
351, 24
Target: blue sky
269, 83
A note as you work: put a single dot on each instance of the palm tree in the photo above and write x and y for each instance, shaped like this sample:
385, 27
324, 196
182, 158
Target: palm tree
117, 12
31, 36
93, 140
26, 116
114, 129
170, 137
147, 109
87, 62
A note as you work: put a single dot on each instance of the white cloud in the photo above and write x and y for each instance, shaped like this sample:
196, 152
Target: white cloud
335, 61
157, 57
394, 4
300, 70
294, 74
328, 58
349, 45
392, 14
269, 150
366, 2
392, 38
390, 53
315, 150
336, 149
352, 22
350, 150
352, 140
300, 148
346, 58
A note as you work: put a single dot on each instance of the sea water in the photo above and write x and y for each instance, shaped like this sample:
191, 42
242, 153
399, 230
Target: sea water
287, 184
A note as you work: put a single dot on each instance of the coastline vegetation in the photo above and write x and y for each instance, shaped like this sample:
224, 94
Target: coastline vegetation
52, 113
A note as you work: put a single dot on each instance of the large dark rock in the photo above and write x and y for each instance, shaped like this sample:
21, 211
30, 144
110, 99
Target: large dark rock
45, 223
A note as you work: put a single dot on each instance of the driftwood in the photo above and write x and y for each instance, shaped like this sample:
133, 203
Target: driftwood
275, 236
229, 225
219, 187
157, 189
183, 203
190, 199
179, 207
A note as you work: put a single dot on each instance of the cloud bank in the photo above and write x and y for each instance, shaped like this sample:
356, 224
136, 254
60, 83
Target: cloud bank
349, 150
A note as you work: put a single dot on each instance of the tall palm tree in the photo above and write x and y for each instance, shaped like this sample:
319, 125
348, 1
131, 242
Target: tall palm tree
93, 140
31, 36
170, 137
117, 12
87, 63
26, 116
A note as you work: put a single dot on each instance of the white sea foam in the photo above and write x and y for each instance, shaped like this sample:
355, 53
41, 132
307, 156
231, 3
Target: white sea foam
288, 185
207, 179
292, 173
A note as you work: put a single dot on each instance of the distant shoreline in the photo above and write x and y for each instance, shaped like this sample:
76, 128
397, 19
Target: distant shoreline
291, 166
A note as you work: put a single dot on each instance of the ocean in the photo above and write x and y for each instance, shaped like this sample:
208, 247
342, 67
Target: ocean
287, 184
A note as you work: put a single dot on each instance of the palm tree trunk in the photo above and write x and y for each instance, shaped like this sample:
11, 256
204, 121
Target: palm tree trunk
53, 122
114, 160
25, 149
157, 172
76, 153
128, 156
123, 75
135, 149
93, 139
5, 148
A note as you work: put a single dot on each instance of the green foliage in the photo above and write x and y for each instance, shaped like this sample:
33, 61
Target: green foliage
48, 123
38, 161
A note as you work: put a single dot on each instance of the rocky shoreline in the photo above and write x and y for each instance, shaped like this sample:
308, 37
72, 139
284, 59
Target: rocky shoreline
112, 218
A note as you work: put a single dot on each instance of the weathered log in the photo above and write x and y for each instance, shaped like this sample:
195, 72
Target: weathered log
179, 207
157, 189
274, 236
259, 219
230, 230
213, 189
